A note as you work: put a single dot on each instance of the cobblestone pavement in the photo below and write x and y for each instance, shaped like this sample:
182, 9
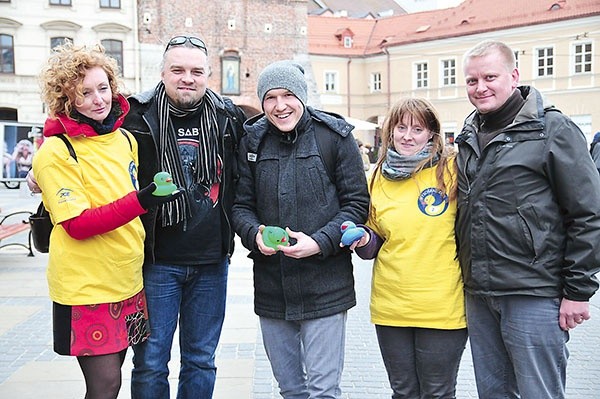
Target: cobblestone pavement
30, 369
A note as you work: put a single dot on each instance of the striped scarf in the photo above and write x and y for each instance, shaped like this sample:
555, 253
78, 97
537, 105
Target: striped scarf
206, 170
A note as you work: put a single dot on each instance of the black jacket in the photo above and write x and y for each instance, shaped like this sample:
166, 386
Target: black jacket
142, 122
288, 186
528, 218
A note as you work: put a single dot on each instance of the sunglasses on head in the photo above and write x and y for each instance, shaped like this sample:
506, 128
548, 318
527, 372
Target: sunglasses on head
181, 40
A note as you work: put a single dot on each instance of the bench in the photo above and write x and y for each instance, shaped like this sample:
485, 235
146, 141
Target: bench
9, 227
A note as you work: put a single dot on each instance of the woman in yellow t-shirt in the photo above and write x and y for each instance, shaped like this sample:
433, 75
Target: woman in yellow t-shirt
96, 246
417, 301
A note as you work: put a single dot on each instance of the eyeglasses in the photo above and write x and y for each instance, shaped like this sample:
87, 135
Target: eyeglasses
180, 40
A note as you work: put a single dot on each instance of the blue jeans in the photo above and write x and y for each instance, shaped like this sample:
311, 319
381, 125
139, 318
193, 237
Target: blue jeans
307, 356
518, 348
196, 297
421, 362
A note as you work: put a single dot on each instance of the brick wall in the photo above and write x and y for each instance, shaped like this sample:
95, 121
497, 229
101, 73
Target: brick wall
256, 47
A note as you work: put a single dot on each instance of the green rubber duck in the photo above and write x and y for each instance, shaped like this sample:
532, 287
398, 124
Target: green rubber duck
164, 184
273, 236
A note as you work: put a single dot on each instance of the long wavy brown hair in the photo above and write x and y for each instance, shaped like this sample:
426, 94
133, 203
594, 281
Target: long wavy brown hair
61, 79
421, 111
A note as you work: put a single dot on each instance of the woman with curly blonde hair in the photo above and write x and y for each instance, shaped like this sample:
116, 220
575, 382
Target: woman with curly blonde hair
417, 300
87, 172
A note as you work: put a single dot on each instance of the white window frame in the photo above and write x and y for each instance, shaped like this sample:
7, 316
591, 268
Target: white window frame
421, 75
347, 42
330, 81
582, 58
448, 72
548, 62
375, 82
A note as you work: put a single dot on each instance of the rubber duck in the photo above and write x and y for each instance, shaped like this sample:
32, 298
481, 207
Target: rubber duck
351, 233
164, 184
273, 236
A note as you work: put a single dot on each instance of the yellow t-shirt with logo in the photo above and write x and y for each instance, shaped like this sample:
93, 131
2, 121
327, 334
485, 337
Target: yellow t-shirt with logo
107, 267
416, 280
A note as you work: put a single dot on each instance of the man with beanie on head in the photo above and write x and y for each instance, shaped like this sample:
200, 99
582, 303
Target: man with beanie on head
304, 287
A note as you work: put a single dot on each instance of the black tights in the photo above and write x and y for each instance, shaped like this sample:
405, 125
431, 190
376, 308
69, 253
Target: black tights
102, 374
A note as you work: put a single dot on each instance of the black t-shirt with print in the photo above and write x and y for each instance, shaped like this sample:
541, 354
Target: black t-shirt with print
200, 243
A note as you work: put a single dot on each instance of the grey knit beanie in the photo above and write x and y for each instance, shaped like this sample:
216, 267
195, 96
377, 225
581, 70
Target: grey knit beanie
283, 75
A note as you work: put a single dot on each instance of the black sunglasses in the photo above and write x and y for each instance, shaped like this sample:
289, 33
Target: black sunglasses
180, 40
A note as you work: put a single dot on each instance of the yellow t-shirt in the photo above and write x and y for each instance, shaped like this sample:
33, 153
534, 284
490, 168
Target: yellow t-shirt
105, 267
416, 279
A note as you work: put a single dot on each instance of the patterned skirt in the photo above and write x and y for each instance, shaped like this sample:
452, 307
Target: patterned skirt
100, 329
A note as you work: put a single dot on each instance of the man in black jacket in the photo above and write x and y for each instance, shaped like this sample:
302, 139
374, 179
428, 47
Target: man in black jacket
528, 229
302, 291
186, 129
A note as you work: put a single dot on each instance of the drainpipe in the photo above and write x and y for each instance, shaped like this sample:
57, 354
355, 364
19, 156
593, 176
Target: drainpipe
389, 78
348, 84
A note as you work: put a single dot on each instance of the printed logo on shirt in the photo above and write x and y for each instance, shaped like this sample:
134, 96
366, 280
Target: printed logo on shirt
64, 195
432, 202
133, 175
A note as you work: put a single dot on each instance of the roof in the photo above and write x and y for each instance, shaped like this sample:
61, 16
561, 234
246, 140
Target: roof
470, 17
356, 9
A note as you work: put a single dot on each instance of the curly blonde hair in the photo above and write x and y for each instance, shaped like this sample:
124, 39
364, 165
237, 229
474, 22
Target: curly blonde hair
61, 79
421, 111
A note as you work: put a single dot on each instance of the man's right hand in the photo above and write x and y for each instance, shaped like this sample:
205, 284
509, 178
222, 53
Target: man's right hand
32, 183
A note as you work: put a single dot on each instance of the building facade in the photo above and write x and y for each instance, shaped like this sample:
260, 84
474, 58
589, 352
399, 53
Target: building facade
363, 66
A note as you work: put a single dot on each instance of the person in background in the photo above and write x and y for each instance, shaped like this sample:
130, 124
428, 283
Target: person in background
191, 132
302, 291
528, 229
417, 298
96, 247
364, 156
595, 150
23, 156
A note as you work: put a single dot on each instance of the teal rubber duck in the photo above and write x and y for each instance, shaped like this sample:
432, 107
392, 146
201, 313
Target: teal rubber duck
273, 236
164, 184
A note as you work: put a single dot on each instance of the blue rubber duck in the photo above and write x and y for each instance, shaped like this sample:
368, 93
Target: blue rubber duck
351, 233
164, 184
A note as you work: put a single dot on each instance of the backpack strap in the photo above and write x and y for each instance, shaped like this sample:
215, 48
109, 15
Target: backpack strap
326, 144
69, 146
72, 150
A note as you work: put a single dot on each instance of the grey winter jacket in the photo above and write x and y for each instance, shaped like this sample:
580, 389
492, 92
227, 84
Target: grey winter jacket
287, 186
528, 218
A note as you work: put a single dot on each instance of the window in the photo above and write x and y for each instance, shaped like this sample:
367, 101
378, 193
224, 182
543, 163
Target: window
110, 3
421, 75
375, 81
583, 58
58, 41
7, 54
331, 82
60, 2
545, 61
114, 48
347, 42
448, 72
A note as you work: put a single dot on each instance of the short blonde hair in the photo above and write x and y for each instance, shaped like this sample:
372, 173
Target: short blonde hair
487, 46
61, 79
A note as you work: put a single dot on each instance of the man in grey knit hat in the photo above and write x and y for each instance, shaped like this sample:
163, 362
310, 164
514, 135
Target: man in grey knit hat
304, 287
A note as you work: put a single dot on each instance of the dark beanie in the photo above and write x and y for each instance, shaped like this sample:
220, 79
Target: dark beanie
283, 75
